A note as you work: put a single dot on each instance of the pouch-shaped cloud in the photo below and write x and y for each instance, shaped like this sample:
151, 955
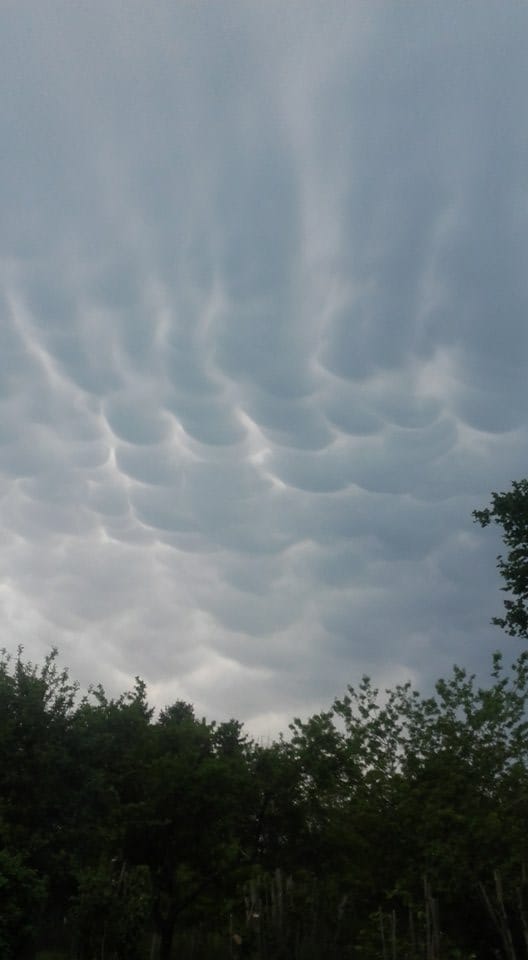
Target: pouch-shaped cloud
262, 340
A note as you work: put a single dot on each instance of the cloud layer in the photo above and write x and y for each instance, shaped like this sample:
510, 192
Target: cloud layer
263, 341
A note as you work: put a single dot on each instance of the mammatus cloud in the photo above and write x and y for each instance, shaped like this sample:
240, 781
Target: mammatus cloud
262, 344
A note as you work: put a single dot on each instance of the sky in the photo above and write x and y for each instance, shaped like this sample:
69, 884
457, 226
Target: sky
263, 341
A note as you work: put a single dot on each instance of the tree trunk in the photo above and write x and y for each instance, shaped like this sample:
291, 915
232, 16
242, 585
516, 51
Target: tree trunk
166, 938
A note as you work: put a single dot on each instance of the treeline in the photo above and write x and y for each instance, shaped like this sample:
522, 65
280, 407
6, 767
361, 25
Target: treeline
391, 827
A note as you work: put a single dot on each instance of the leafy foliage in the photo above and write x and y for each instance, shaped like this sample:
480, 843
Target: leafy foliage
390, 825
510, 511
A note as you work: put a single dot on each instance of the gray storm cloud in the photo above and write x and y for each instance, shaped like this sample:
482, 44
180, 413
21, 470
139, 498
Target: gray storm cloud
262, 343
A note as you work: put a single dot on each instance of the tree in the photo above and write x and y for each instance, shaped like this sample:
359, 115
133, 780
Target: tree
192, 826
22, 894
510, 511
109, 912
37, 803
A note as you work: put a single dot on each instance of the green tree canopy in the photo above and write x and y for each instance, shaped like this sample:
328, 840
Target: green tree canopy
509, 510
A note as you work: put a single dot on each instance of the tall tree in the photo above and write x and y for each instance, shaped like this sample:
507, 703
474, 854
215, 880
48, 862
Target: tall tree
509, 510
37, 804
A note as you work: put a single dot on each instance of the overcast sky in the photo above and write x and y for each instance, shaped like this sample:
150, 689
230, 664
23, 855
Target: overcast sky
263, 340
